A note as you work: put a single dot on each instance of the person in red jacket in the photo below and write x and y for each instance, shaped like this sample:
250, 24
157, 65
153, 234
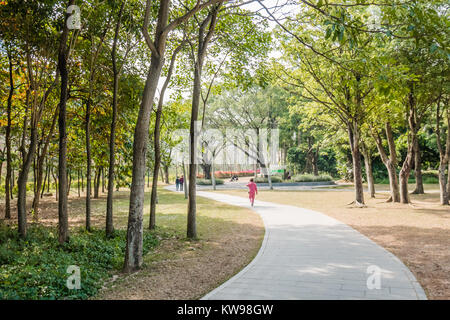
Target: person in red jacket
252, 191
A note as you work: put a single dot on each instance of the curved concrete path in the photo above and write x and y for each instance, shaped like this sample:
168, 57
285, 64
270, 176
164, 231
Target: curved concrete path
308, 255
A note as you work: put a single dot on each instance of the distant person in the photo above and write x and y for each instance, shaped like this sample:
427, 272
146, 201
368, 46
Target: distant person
252, 191
177, 183
181, 183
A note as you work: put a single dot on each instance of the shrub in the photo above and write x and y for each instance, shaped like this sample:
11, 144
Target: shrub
274, 179
208, 182
311, 178
35, 267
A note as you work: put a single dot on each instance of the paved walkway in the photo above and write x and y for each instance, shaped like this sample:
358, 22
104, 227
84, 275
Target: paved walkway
308, 255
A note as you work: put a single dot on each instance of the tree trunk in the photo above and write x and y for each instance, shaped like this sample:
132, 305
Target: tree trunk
8, 189
418, 169
166, 174
444, 195
206, 170
97, 182
112, 136
213, 177
44, 181
356, 160
22, 183
407, 164
78, 184
133, 254
184, 181
88, 165
69, 184
369, 171
389, 162
103, 181
63, 221
315, 158
444, 157
40, 165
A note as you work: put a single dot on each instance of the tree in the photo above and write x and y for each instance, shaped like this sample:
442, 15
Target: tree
63, 220
157, 46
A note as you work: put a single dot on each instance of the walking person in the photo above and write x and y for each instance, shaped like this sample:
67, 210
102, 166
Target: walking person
177, 183
252, 191
181, 183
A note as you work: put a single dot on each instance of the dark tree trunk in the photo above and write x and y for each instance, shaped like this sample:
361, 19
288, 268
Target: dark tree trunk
166, 174
315, 158
203, 41
418, 169
206, 170
97, 182
69, 184
22, 183
112, 136
63, 221
45, 181
103, 181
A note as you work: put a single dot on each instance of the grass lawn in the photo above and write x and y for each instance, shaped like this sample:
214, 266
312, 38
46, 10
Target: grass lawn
418, 234
176, 268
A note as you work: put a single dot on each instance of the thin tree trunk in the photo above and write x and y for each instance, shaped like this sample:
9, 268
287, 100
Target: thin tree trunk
97, 182
356, 160
185, 184
22, 183
418, 169
40, 165
88, 166
69, 184
44, 181
369, 171
112, 136
444, 157
78, 183
389, 162
8, 189
213, 176
407, 164
103, 181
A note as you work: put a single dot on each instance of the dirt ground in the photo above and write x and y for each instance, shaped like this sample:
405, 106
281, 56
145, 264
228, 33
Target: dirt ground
418, 234
229, 238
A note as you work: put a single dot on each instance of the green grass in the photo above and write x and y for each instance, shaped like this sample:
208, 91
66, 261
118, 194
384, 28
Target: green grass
35, 268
